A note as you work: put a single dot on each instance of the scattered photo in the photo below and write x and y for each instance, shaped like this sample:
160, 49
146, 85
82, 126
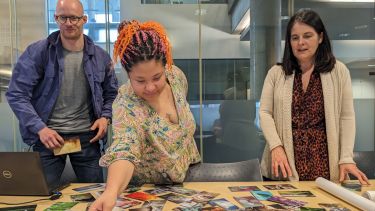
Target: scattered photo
289, 202
183, 191
242, 188
154, 205
311, 209
227, 205
261, 195
279, 187
61, 206
131, 189
125, 203
141, 196
204, 197
85, 197
187, 209
248, 201
178, 199
157, 191
90, 188
213, 208
353, 185
333, 207
296, 193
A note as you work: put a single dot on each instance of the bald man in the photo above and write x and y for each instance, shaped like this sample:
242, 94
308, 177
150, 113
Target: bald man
62, 89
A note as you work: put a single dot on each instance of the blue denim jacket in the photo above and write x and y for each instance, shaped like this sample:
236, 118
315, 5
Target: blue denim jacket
36, 79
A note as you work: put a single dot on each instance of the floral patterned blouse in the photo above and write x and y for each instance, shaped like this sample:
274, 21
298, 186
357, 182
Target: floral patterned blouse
160, 150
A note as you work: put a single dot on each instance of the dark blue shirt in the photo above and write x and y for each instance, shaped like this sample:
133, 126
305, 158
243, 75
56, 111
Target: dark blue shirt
36, 80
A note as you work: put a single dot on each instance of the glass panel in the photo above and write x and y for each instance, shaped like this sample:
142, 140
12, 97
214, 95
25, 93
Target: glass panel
229, 131
22, 22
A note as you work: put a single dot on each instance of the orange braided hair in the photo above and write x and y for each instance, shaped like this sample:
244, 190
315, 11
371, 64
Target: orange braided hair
142, 41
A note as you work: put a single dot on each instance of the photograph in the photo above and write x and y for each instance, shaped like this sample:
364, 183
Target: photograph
279, 187
242, 188
178, 199
85, 197
141, 196
296, 193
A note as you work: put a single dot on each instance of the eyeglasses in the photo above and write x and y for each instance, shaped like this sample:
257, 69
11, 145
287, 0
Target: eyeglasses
73, 19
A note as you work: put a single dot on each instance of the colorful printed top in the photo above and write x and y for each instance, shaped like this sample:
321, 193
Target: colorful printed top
160, 150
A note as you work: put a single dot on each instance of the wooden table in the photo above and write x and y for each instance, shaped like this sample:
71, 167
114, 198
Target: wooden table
214, 187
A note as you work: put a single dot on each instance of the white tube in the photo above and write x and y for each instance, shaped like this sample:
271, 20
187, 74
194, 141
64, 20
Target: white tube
369, 195
346, 195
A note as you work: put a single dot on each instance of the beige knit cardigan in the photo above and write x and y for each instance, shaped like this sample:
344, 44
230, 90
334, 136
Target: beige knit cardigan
275, 117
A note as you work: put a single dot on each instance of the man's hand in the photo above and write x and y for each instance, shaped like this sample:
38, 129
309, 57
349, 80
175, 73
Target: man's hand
279, 159
100, 124
350, 168
50, 138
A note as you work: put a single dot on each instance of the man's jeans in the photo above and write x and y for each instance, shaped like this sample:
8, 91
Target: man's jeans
85, 163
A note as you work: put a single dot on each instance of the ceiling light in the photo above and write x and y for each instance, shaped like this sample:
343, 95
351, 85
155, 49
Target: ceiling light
371, 65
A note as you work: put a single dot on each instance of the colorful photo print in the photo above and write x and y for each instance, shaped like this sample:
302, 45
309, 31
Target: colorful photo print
157, 191
279, 187
90, 188
296, 193
183, 191
125, 203
289, 202
261, 195
154, 205
353, 185
141, 196
227, 205
333, 207
178, 199
213, 209
242, 188
311, 209
85, 197
248, 201
204, 197
61, 206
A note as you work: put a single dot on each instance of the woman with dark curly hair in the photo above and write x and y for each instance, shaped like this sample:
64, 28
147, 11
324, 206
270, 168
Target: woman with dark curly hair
306, 108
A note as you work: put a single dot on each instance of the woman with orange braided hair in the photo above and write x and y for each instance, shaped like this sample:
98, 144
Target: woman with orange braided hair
153, 126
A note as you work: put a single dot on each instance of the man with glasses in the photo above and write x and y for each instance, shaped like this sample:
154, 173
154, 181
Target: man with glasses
62, 89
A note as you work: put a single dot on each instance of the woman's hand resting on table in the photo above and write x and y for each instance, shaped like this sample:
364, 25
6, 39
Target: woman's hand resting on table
351, 168
279, 159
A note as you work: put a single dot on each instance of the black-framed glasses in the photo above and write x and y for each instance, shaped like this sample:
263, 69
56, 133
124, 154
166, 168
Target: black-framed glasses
61, 19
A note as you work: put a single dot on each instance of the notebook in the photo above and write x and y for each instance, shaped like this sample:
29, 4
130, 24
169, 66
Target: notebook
21, 174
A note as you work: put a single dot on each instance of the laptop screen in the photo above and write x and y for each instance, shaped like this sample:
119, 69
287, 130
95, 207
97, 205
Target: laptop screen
21, 173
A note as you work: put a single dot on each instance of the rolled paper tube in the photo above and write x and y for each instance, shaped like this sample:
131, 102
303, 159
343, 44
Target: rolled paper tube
369, 195
346, 195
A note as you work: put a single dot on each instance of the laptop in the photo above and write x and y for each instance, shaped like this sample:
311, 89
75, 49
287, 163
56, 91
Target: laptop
21, 174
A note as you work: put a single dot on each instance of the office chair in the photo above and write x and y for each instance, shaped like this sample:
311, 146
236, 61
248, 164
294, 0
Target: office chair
366, 163
247, 170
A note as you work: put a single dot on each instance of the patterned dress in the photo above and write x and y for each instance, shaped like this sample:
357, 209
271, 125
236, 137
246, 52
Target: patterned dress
160, 150
309, 129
